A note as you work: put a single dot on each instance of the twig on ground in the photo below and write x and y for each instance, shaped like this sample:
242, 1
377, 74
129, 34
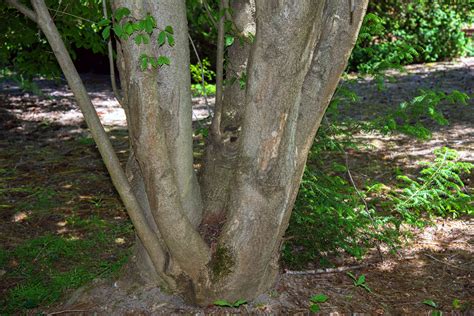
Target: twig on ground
446, 263
328, 270
68, 311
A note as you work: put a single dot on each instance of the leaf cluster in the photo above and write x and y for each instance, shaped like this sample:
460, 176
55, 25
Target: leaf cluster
438, 191
225, 303
25, 52
400, 32
413, 117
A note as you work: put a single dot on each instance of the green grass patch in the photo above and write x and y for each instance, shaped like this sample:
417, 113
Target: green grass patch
47, 266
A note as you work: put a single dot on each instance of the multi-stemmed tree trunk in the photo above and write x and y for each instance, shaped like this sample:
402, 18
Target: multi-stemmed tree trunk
290, 56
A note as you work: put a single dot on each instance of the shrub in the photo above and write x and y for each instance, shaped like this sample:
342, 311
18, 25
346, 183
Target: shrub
403, 32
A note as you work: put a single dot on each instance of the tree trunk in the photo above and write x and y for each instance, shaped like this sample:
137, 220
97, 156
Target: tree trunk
256, 153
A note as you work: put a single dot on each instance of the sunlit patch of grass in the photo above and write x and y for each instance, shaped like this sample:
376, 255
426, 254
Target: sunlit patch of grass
92, 221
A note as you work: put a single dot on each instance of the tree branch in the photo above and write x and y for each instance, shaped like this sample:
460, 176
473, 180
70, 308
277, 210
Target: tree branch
111, 60
216, 122
335, 44
23, 9
209, 13
119, 179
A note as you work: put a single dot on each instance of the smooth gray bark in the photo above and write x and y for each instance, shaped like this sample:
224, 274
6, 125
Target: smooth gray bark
161, 136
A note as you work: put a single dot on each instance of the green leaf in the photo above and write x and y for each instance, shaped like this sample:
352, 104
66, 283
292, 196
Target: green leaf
314, 308
153, 61
142, 38
229, 40
352, 276
106, 33
366, 287
128, 28
456, 304
222, 303
138, 39
170, 39
361, 280
169, 29
103, 22
319, 298
430, 303
150, 24
239, 302
138, 26
163, 60
162, 38
121, 12
118, 30
144, 62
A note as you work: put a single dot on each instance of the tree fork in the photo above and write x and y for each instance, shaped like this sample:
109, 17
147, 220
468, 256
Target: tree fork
222, 153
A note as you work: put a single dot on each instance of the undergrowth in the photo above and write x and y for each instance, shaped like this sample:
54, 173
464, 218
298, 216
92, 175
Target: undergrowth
333, 214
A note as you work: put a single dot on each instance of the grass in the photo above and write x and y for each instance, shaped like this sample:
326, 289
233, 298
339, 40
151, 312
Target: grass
45, 267
73, 229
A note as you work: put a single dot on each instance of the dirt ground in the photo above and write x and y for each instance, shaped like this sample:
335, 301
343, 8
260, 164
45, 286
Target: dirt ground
43, 140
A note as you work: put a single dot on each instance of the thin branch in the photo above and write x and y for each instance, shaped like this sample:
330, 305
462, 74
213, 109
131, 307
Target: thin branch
209, 13
446, 263
202, 75
73, 15
23, 9
363, 201
329, 270
111, 61
216, 122
68, 311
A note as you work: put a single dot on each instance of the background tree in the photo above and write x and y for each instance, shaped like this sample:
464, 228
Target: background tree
292, 55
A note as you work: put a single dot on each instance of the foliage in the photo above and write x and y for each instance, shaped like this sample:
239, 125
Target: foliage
124, 26
224, 303
374, 54
332, 215
25, 52
201, 76
403, 32
411, 117
359, 281
315, 300
329, 215
438, 191
201, 18
432, 304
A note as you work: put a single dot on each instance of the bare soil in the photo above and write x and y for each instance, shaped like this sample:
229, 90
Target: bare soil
43, 139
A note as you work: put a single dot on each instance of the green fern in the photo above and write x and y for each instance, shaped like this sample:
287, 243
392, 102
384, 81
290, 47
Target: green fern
439, 191
409, 117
